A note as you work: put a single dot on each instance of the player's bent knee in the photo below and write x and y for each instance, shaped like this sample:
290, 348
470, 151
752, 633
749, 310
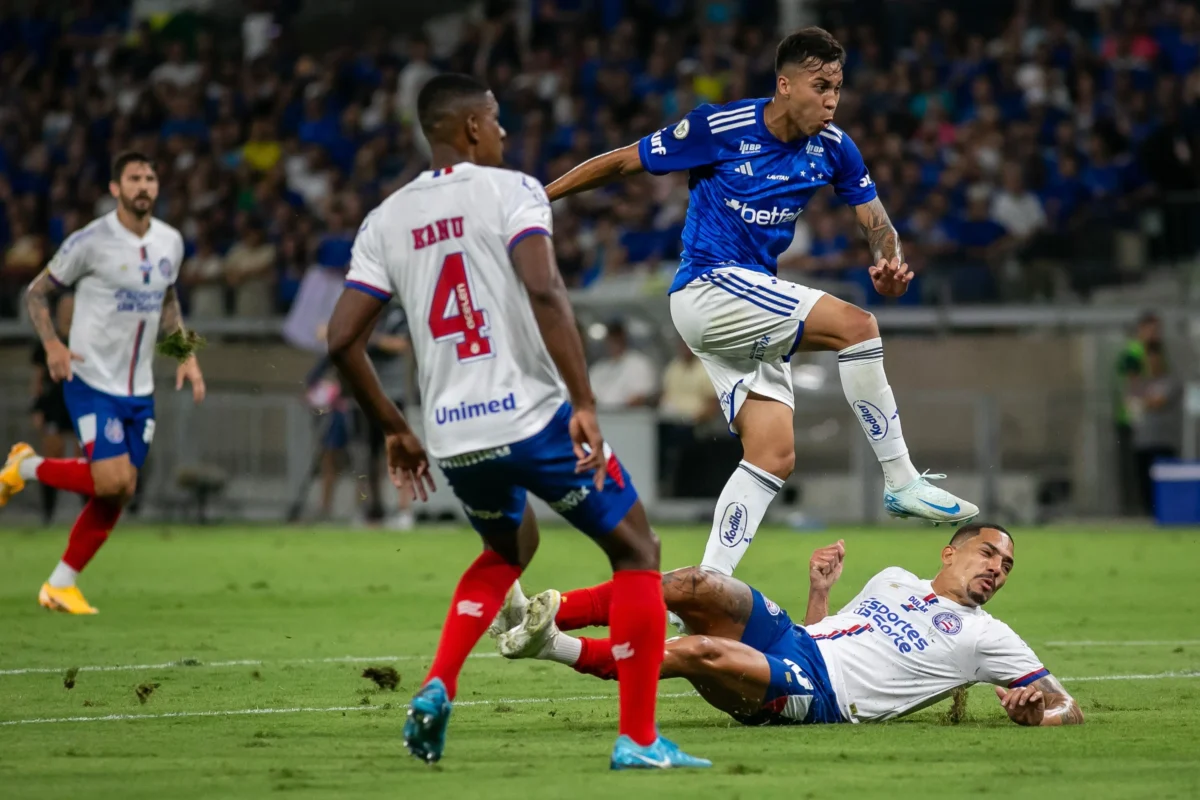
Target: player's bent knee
700, 652
861, 326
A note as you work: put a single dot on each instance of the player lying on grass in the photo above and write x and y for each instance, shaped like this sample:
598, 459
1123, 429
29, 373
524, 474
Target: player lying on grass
900, 645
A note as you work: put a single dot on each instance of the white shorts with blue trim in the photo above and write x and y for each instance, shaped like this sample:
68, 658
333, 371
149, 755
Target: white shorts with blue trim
744, 327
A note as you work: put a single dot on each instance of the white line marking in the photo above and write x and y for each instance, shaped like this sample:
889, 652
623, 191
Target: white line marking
1150, 643
241, 662
243, 712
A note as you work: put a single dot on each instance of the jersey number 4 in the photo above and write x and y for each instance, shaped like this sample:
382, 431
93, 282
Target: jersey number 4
453, 315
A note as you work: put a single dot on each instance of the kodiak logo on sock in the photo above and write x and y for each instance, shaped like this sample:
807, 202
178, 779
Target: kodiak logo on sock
874, 421
733, 525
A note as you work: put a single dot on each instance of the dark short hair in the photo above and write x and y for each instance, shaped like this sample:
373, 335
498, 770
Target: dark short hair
124, 159
973, 529
439, 95
1148, 318
809, 45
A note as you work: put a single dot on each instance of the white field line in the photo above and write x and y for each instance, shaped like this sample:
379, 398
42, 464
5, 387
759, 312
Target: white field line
243, 712
1145, 643
241, 662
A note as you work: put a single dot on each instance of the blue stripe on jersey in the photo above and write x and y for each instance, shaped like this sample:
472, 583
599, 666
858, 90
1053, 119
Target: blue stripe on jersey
733, 289
787, 298
368, 289
1025, 680
536, 230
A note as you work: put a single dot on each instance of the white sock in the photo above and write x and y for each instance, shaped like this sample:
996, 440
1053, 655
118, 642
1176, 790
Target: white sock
28, 468
62, 577
871, 401
562, 648
740, 510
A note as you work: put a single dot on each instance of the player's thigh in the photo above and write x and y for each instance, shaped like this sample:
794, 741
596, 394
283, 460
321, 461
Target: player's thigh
834, 324
100, 424
708, 602
739, 313
729, 675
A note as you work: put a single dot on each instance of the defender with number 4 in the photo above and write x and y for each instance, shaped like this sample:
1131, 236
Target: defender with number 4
508, 408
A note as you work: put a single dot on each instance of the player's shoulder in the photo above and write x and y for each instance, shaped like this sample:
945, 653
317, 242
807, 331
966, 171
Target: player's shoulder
838, 142
98, 228
898, 575
723, 121
167, 231
511, 180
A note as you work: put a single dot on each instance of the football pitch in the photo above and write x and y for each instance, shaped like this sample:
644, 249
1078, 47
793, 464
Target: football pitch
227, 662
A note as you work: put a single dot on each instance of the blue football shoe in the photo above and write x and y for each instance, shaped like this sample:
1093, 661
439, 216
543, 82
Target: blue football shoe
425, 728
662, 754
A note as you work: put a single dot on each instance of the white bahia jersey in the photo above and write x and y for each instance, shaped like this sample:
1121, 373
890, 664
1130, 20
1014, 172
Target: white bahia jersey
899, 647
120, 281
441, 245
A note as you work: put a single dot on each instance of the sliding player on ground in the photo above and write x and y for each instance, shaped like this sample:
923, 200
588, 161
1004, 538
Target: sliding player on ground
902, 644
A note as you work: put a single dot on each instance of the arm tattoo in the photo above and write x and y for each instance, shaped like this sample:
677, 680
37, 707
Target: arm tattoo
38, 298
881, 234
1059, 704
172, 315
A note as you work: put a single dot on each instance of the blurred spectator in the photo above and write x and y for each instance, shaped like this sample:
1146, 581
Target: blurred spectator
250, 272
203, 275
24, 258
624, 378
388, 348
1156, 405
1131, 370
687, 402
1016, 208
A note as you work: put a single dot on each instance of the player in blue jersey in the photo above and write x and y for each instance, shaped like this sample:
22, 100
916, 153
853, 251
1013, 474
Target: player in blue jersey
753, 165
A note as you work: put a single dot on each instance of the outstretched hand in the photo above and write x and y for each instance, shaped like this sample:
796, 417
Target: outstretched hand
891, 278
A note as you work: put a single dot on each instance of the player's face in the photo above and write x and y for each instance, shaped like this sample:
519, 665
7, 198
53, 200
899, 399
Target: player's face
136, 189
489, 145
810, 94
980, 565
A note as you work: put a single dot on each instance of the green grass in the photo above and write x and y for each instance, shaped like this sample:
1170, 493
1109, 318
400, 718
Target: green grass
199, 596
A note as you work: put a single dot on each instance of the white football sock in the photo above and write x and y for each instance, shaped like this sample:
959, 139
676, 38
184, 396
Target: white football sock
740, 510
871, 401
562, 648
62, 577
28, 468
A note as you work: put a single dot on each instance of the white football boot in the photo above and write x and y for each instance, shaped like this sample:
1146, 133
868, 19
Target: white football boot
922, 500
536, 633
511, 613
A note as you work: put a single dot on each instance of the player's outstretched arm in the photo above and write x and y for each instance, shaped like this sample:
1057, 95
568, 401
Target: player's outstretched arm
181, 346
39, 298
350, 328
889, 274
824, 569
598, 171
1043, 702
533, 259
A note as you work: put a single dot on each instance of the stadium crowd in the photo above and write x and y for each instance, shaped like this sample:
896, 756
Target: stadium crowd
1010, 143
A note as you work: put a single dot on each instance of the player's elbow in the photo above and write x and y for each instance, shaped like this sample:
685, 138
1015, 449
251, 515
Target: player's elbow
339, 341
629, 160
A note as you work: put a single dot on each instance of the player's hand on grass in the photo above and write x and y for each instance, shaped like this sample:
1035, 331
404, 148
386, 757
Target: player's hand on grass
589, 445
408, 465
58, 361
189, 371
825, 566
891, 278
1025, 705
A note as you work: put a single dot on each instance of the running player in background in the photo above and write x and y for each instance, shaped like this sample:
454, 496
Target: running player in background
465, 248
122, 268
753, 166
902, 644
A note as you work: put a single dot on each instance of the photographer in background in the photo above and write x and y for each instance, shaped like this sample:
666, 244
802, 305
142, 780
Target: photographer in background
1155, 408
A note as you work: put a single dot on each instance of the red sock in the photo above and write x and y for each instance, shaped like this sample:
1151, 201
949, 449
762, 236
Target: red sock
68, 474
638, 621
581, 608
90, 532
476, 601
596, 659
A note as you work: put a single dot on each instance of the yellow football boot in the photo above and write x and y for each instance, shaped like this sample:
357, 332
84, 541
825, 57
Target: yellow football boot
11, 481
69, 600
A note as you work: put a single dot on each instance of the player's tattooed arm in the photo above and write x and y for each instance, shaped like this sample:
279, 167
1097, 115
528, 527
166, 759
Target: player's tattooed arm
39, 298
172, 315
1042, 703
882, 238
598, 171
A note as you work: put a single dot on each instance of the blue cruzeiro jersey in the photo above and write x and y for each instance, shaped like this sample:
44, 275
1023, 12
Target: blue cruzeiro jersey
747, 188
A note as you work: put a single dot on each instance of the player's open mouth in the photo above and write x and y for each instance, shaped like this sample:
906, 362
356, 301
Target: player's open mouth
825, 123
988, 584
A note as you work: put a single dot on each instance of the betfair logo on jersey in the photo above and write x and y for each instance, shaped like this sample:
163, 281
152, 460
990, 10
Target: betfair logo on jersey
656, 145
571, 499
447, 414
755, 216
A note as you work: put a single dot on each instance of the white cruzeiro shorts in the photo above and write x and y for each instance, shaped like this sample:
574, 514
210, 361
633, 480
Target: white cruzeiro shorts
744, 327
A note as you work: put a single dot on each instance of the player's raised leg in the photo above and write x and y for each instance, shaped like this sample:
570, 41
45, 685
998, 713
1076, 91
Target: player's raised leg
854, 334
